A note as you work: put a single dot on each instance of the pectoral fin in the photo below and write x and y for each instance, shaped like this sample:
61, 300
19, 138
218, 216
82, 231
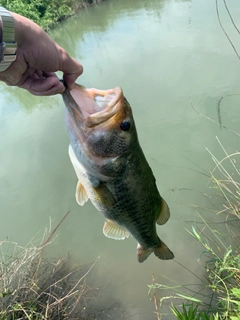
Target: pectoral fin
81, 194
114, 231
164, 213
103, 196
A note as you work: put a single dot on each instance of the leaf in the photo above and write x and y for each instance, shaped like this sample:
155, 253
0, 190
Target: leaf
189, 298
196, 234
236, 293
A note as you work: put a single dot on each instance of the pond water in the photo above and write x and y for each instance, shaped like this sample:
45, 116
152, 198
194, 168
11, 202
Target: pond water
174, 63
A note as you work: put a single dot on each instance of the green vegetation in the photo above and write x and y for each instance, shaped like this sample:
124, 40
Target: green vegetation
192, 313
218, 297
33, 287
46, 13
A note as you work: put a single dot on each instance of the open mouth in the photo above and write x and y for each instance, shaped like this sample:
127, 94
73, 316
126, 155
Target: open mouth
92, 105
103, 101
91, 101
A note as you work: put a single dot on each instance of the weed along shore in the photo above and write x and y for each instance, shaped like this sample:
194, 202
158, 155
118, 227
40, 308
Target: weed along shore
217, 296
48, 13
34, 287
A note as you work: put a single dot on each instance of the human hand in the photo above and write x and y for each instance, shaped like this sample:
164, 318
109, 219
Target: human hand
38, 58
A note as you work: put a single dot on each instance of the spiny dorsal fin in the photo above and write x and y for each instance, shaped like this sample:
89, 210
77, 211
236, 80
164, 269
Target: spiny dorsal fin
164, 213
114, 231
81, 194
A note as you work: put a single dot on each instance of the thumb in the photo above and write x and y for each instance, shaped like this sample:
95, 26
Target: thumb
71, 69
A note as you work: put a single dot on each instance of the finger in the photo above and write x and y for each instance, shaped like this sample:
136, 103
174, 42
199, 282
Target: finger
70, 79
39, 73
46, 85
71, 69
58, 88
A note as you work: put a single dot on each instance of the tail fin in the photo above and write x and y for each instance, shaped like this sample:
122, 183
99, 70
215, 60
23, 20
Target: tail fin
162, 252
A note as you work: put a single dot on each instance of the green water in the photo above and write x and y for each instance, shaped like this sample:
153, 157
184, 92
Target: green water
163, 54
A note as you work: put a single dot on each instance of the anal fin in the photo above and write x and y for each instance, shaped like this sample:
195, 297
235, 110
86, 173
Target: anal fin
164, 213
114, 231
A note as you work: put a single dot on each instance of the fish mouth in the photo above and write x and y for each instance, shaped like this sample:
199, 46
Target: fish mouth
92, 107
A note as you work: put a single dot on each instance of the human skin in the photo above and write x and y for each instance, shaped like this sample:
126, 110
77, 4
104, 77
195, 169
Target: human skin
38, 58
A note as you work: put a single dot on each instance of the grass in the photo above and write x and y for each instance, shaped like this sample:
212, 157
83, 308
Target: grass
218, 295
192, 313
34, 288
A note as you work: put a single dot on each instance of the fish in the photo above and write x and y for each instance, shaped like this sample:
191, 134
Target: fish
112, 170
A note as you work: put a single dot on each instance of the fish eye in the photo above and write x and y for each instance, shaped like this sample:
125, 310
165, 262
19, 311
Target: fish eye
125, 125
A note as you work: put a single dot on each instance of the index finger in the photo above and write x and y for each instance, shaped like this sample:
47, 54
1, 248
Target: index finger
43, 86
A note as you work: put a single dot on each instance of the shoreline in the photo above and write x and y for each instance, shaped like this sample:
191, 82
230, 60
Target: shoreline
49, 14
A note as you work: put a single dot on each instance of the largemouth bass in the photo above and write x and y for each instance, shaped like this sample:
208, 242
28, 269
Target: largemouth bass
112, 169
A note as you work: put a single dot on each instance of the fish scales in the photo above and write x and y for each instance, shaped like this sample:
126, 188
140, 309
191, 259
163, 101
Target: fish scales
112, 169
132, 200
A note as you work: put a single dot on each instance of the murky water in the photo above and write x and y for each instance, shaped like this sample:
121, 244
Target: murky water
163, 54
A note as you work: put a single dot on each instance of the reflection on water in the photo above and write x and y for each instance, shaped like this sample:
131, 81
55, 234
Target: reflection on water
163, 54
